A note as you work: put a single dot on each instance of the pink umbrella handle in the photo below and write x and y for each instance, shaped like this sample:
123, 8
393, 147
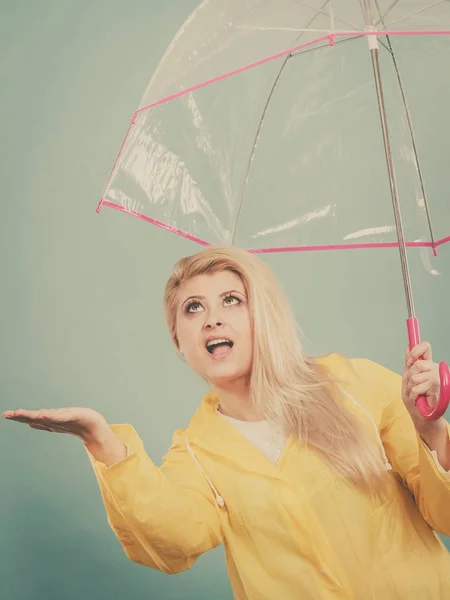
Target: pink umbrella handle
426, 411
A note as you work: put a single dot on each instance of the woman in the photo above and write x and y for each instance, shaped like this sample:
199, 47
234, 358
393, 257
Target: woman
318, 475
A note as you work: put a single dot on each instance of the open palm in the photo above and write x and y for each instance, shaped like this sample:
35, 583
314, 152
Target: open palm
80, 422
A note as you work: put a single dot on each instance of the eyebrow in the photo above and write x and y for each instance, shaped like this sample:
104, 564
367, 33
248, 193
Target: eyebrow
222, 295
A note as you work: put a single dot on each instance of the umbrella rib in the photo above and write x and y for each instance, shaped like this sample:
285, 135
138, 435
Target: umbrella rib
320, 11
381, 20
252, 153
410, 129
383, 17
413, 141
295, 29
380, 41
362, 6
261, 120
417, 12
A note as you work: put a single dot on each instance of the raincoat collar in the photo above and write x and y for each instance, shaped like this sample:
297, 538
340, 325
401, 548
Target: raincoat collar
213, 435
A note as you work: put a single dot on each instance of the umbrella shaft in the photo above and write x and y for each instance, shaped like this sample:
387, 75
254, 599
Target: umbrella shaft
393, 184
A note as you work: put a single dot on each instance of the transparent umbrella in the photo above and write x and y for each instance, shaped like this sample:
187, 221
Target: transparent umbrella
282, 125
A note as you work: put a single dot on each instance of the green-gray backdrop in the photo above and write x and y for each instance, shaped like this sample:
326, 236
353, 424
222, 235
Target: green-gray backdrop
81, 316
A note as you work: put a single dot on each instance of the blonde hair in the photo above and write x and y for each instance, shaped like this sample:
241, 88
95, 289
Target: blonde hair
286, 386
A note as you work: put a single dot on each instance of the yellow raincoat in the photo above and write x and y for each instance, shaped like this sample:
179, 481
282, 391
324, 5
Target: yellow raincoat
294, 531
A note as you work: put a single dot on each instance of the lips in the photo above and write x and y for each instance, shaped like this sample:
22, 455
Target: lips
218, 346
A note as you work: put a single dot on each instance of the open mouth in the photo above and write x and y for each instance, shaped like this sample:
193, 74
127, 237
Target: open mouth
219, 347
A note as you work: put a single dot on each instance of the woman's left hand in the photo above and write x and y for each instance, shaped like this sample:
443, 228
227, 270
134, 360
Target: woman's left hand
421, 378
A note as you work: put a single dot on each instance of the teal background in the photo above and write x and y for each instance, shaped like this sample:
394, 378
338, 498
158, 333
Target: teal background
81, 312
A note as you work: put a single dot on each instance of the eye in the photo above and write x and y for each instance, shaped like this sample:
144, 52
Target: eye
229, 300
193, 307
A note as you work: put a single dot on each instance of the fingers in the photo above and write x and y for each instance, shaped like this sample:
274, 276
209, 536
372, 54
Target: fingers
43, 417
418, 379
420, 372
424, 383
43, 420
422, 366
21, 415
422, 350
419, 390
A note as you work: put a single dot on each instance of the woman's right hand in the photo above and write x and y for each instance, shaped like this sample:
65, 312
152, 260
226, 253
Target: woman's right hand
84, 423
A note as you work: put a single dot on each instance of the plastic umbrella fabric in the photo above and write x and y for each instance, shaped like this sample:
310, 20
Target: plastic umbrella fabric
283, 125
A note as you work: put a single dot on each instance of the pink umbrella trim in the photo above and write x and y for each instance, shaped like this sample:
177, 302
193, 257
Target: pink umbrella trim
312, 248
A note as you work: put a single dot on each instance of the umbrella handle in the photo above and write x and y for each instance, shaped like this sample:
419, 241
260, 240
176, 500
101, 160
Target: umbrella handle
426, 411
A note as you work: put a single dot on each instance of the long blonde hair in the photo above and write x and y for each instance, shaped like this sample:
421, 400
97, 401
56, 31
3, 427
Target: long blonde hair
286, 386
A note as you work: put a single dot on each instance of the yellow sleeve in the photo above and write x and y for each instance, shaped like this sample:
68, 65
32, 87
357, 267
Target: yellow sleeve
409, 456
164, 518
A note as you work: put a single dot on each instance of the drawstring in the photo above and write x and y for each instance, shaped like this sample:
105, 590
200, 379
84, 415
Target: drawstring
220, 501
387, 464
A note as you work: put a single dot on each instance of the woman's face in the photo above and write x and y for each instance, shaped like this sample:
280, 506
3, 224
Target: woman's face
214, 329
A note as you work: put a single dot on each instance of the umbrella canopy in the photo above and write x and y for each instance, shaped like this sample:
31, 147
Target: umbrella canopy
288, 152
261, 128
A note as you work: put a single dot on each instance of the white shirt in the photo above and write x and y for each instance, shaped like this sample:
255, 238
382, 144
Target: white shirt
265, 435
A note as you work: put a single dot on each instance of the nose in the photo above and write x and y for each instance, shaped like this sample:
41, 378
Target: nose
210, 324
213, 321
213, 317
